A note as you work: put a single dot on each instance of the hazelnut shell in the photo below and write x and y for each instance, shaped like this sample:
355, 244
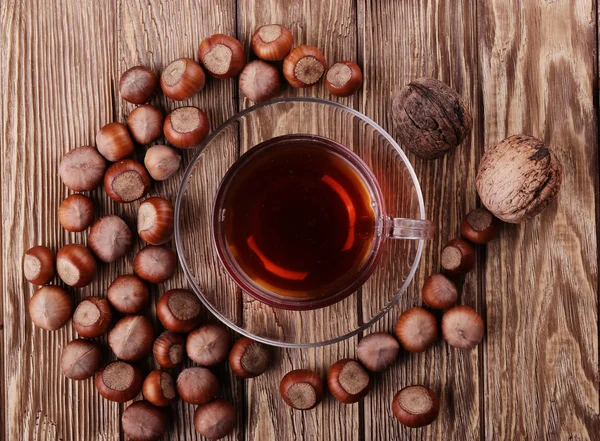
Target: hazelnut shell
197, 385
38, 265
416, 329
215, 419
82, 169
348, 381
416, 406
301, 389
109, 238
80, 359
50, 308
142, 421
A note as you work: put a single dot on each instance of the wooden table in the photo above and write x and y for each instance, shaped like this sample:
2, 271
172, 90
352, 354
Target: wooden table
523, 66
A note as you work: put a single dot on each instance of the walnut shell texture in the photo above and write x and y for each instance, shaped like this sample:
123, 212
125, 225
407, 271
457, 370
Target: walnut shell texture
518, 178
429, 118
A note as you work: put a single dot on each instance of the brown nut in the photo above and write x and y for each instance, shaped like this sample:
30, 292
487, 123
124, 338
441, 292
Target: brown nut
145, 123
169, 349
126, 181
82, 169
138, 85
221, 55
348, 381
518, 178
119, 381
155, 264
197, 385
110, 238
343, 78
113, 142
304, 66
186, 127
132, 337
259, 81
179, 310
155, 221
416, 329
50, 308
38, 265
80, 359
142, 421
301, 389
378, 351
182, 79
208, 345
480, 226
458, 257
430, 119
439, 292
75, 265
272, 42
128, 294
76, 213
162, 162
92, 317
215, 419
249, 358
416, 406
462, 327
159, 388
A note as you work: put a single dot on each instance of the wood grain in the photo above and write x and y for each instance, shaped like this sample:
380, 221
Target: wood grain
538, 77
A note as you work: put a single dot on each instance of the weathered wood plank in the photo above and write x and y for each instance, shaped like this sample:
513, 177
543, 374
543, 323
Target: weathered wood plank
538, 77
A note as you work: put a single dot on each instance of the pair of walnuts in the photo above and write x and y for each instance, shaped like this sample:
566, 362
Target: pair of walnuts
516, 179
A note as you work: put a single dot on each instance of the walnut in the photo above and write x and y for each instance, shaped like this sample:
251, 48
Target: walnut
518, 178
429, 118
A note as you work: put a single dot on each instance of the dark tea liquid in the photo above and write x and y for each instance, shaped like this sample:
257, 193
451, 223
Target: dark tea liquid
298, 218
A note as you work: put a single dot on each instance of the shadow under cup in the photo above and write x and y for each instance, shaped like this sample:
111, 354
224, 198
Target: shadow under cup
391, 263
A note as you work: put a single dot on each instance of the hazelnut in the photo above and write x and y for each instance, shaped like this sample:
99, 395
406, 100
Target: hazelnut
221, 55
480, 226
138, 85
82, 169
186, 127
179, 310
249, 358
182, 79
162, 162
145, 123
259, 81
159, 388
301, 389
76, 213
142, 421
416, 329
208, 345
92, 317
155, 264
113, 142
272, 42
462, 327
197, 385
304, 66
518, 178
348, 381
132, 337
110, 238
38, 265
439, 292
343, 78
75, 265
155, 221
378, 351
50, 308
430, 119
80, 359
128, 294
126, 181
169, 349
458, 257
215, 419
416, 406
119, 381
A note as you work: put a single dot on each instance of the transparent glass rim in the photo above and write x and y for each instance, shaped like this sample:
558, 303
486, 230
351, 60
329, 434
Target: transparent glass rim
179, 243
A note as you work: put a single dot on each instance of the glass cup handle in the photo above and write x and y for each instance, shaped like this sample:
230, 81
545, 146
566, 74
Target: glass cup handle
400, 228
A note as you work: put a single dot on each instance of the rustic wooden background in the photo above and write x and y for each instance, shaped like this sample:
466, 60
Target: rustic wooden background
523, 66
